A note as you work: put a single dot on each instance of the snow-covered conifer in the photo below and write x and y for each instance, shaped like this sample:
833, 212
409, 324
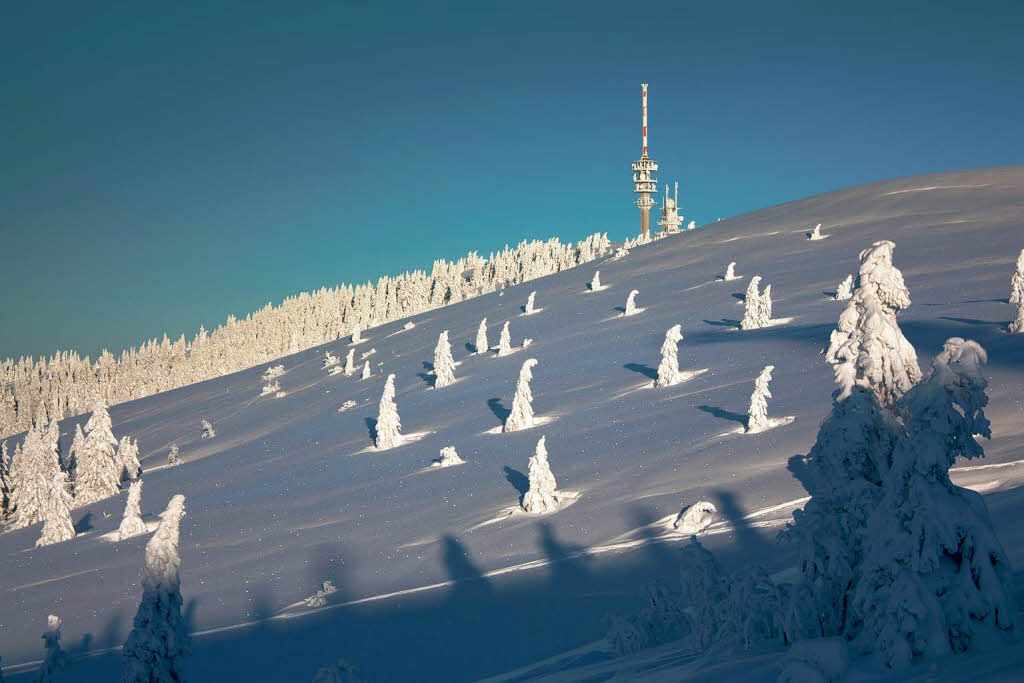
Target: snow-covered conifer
97, 471
36, 473
1017, 282
366, 370
595, 283
695, 518
350, 363
449, 457
5, 479
529, 304
1017, 324
56, 510
55, 659
631, 308
668, 369
389, 425
481, 345
127, 457
157, 646
816, 233
542, 495
208, 431
730, 272
444, 364
691, 225
754, 310
867, 348
845, 289
757, 416
173, 458
131, 522
270, 388
330, 360
504, 341
357, 335
935, 577
521, 416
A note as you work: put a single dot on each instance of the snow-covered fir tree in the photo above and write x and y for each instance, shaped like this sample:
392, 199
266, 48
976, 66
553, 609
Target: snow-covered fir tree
754, 311
595, 282
208, 431
131, 522
127, 457
56, 659
34, 471
1017, 324
350, 363
366, 370
695, 518
528, 309
730, 272
1017, 281
845, 289
5, 479
521, 416
867, 348
158, 643
631, 308
330, 360
389, 425
816, 233
935, 577
764, 301
481, 344
97, 470
357, 335
173, 457
504, 341
668, 369
56, 510
449, 457
757, 415
444, 364
542, 495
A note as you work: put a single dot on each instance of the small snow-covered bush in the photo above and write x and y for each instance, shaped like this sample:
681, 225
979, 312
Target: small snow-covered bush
208, 430
409, 325
270, 388
695, 518
330, 359
449, 457
346, 406
319, 599
631, 308
173, 458
273, 372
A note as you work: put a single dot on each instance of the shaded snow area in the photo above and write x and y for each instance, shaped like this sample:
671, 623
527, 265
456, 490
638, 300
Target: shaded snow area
303, 544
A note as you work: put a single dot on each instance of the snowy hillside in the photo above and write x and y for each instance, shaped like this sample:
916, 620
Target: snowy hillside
439, 574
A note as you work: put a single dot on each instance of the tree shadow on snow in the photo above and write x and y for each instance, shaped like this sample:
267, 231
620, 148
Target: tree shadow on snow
500, 411
471, 348
742, 296
797, 466
371, 427
644, 370
830, 295
84, 524
620, 309
567, 571
975, 321
747, 537
428, 379
724, 322
723, 414
519, 480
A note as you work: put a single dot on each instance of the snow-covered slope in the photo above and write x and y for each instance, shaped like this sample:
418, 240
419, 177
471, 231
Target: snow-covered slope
436, 580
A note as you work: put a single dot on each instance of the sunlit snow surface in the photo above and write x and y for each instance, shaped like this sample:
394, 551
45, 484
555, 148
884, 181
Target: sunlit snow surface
433, 582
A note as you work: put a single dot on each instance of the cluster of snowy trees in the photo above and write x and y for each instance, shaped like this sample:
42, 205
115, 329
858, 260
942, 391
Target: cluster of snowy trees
65, 384
40, 484
758, 306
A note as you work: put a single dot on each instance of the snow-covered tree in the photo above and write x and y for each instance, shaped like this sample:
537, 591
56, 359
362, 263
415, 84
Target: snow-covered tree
816, 233
366, 370
389, 425
754, 310
208, 431
529, 303
357, 335
481, 337
845, 289
504, 341
97, 470
765, 302
935, 577
158, 643
668, 369
173, 458
521, 416
542, 495
56, 510
127, 457
1017, 281
757, 416
5, 479
867, 348
444, 364
131, 522
595, 282
35, 473
631, 308
449, 457
1017, 324
330, 360
350, 363
55, 659
730, 272
695, 518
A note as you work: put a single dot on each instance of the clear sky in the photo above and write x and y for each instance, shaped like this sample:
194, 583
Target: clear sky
166, 164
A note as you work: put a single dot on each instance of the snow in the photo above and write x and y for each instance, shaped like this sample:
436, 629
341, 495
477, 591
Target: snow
280, 502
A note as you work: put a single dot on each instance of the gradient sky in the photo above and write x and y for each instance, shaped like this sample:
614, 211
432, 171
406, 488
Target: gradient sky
165, 164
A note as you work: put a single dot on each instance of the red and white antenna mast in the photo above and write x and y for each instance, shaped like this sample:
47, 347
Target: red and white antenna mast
643, 183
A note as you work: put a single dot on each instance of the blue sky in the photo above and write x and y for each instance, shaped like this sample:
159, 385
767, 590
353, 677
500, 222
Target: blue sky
166, 165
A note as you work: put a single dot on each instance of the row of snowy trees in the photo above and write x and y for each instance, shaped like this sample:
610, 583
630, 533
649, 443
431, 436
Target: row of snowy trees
39, 483
65, 384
